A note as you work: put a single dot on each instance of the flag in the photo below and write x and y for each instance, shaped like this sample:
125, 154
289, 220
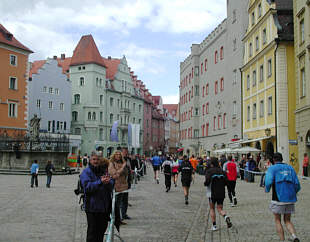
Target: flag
114, 136
129, 135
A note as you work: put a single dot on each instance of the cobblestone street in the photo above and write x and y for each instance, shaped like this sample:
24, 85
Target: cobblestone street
41, 214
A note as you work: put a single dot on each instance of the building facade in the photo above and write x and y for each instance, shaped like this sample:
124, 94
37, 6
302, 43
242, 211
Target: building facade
210, 84
102, 93
13, 91
268, 78
171, 121
50, 96
302, 74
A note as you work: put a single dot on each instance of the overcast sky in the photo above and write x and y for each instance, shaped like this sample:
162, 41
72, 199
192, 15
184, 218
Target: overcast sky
154, 35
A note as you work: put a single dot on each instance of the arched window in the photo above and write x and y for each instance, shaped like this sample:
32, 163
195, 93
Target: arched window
215, 57
94, 115
207, 89
222, 53
82, 81
203, 91
89, 116
77, 99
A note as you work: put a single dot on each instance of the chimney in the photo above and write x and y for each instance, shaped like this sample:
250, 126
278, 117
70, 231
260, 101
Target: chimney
109, 58
63, 56
55, 57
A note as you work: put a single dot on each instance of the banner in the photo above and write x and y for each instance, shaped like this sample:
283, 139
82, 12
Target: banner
136, 136
129, 135
113, 135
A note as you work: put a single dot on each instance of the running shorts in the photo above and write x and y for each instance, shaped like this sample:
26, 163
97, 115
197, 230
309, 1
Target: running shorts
282, 209
156, 168
218, 201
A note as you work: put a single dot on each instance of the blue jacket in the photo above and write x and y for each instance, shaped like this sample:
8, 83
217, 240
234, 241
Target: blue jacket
285, 181
34, 167
156, 161
98, 196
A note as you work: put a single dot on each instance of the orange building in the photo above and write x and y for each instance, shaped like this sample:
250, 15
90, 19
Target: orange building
13, 84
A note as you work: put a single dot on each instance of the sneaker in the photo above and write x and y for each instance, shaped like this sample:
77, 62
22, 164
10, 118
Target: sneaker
175, 185
186, 202
127, 217
157, 181
232, 205
123, 223
214, 228
227, 220
235, 201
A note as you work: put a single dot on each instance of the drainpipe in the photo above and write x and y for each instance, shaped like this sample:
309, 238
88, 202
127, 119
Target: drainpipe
277, 40
241, 104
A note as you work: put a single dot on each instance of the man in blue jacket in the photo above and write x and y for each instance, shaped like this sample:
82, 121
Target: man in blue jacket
156, 162
98, 187
285, 185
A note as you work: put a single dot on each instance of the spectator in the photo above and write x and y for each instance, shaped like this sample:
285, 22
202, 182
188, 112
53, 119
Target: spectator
305, 164
242, 166
98, 187
49, 168
124, 201
78, 162
285, 185
34, 170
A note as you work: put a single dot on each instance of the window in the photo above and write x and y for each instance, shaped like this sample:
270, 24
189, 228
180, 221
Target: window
94, 116
264, 36
74, 116
248, 82
222, 53
140, 107
77, 131
234, 77
196, 111
134, 107
49, 126
12, 110
38, 103
207, 108
57, 126
62, 106
56, 91
207, 129
259, 10
101, 134
101, 116
196, 133
101, 99
253, 18
261, 109
89, 116
254, 111
111, 101
77, 99
65, 125
203, 109
82, 81
257, 43
261, 73
248, 113
203, 130
216, 87
201, 68
203, 91
50, 105
269, 105
222, 84
13, 60
51, 90
215, 57
207, 89
250, 50
214, 120
254, 79
97, 82
45, 89
206, 63
13, 83
234, 109
196, 90
224, 121
269, 68
219, 121
111, 118
302, 83
302, 31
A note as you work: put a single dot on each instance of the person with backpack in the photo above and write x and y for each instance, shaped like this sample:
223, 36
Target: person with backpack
215, 181
98, 186
175, 169
49, 169
167, 167
85, 160
231, 170
285, 185
186, 171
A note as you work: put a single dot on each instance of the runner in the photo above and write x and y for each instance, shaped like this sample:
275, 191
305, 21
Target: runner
285, 186
215, 182
186, 170
156, 162
194, 163
231, 169
167, 168
175, 168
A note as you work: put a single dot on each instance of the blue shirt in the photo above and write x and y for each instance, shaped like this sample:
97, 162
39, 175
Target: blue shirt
34, 168
156, 161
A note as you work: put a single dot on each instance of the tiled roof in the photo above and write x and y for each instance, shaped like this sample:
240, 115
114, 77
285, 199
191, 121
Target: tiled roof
86, 52
65, 64
36, 65
171, 108
7, 38
112, 65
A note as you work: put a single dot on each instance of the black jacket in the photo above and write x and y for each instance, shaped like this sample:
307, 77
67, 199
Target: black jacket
49, 168
218, 180
186, 170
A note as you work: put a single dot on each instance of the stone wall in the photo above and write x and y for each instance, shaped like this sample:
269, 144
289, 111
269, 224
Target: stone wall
24, 159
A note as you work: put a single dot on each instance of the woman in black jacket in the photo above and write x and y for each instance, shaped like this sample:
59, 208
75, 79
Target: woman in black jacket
186, 170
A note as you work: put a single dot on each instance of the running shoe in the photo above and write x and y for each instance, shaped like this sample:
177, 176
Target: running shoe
233, 205
214, 228
157, 181
229, 224
186, 202
235, 201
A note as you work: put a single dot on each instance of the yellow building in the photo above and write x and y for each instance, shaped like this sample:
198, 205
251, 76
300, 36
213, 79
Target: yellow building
268, 78
302, 67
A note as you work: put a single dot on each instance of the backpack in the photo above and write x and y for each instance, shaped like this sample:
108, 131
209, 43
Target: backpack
79, 191
84, 161
218, 186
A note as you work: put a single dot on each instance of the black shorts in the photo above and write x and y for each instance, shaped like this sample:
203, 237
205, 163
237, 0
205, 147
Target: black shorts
186, 183
218, 201
156, 168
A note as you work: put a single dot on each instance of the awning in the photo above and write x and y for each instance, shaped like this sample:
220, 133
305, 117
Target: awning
246, 149
253, 140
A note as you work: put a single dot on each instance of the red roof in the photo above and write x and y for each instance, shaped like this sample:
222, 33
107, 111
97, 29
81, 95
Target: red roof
7, 38
156, 100
86, 52
171, 108
65, 64
112, 65
36, 65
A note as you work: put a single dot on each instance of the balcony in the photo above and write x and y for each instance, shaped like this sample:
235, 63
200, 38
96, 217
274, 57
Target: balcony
125, 110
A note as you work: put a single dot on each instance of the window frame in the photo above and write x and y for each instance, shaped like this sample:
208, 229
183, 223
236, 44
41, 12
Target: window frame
13, 114
10, 60
15, 83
